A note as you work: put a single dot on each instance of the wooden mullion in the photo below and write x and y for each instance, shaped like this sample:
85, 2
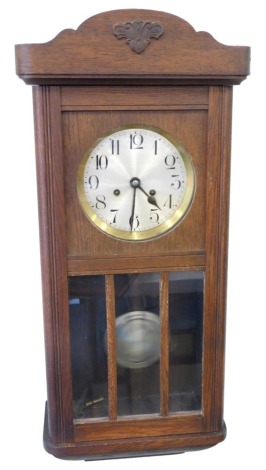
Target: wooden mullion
164, 363
111, 347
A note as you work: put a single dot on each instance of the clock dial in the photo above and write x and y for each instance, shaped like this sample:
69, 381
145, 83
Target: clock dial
136, 183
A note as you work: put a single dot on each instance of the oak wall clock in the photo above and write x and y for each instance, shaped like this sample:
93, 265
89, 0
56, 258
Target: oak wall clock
133, 120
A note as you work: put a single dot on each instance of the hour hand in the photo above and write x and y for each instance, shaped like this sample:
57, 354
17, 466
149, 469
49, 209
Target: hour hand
136, 183
151, 199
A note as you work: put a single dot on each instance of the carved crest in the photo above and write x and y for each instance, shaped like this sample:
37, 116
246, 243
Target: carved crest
138, 34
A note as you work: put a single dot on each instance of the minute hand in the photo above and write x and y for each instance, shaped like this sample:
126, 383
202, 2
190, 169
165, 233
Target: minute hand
151, 199
131, 219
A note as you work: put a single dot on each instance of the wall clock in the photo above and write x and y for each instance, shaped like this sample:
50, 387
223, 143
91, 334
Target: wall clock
133, 134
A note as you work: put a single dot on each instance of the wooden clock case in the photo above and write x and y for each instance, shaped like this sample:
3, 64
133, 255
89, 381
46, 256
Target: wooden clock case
119, 68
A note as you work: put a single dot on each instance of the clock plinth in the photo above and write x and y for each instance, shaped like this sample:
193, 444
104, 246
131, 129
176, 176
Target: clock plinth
133, 131
135, 448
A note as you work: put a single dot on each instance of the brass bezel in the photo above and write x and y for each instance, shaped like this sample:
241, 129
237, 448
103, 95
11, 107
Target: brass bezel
154, 232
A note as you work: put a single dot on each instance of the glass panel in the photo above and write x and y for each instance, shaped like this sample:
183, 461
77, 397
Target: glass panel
138, 343
88, 353
185, 349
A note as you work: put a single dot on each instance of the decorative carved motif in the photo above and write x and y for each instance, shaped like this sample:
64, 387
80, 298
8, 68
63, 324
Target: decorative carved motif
138, 34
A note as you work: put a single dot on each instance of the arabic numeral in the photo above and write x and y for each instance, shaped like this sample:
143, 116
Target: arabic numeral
155, 147
168, 203
115, 214
93, 182
176, 183
100, 204
154, 216
115, 147
170, 162
134, 222
101, 162
136, 141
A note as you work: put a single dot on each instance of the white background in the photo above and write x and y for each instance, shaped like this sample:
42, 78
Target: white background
23, 389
